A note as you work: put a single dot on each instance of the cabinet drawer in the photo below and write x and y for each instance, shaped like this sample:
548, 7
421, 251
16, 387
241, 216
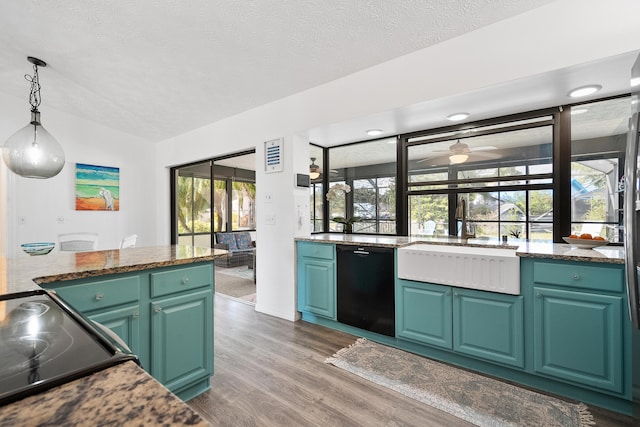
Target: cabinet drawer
577, 275
316, 250
102, 294
179, 280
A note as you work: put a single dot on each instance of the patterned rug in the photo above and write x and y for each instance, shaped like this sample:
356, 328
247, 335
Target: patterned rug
474, 398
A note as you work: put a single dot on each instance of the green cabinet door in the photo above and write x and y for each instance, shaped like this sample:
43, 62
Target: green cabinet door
317, 279
182, 339
125, 322
489, 325
424, 313
578, 337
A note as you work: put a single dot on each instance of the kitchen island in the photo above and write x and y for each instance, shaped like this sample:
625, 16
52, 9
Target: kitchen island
561, 327
124, 393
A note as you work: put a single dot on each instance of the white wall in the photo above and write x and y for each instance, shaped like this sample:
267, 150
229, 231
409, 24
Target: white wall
47, 206
552, 37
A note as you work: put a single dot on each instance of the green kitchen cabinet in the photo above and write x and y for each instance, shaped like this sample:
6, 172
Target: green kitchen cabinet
316, 278
124, 321
486, 325
424, 313
164, 315
113, 303
178, 358
489, 325
578, 313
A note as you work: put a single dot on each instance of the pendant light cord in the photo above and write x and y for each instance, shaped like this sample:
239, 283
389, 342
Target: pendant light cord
34, 95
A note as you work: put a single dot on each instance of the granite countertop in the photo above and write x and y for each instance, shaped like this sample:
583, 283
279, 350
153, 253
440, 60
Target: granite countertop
121, 395
25, 273
563, 251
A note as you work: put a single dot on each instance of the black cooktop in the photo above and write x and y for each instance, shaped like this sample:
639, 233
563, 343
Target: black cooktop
44, 343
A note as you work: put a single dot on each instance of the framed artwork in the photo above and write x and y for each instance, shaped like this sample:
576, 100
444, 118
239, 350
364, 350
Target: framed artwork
97, 188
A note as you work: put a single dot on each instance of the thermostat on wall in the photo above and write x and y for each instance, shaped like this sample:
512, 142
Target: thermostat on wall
273, 156
302, 180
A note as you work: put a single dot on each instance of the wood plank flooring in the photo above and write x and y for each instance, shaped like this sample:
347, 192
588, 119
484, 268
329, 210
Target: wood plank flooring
271, 372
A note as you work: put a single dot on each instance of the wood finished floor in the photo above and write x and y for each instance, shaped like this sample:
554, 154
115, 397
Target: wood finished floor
270, 372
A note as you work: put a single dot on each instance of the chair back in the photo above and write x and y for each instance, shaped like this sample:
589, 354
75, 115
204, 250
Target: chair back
78, 242
129, 241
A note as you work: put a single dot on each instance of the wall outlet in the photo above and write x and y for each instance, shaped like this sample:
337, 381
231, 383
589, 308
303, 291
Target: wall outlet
60, 220
268, 197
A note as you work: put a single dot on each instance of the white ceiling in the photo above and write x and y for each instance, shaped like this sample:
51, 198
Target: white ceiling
159, 68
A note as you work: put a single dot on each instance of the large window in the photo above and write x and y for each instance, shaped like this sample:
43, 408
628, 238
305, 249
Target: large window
503, 173
368, 169
598, 134
232, 190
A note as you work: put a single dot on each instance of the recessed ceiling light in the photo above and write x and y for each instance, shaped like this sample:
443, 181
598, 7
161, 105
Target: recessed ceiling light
374, 132
457, 117
575, 111
635, 81
584, 91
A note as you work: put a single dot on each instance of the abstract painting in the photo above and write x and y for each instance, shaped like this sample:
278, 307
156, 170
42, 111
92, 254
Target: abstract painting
97, 188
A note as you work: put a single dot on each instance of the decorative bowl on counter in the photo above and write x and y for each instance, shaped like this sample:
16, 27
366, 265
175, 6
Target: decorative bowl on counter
40, 248
585, 243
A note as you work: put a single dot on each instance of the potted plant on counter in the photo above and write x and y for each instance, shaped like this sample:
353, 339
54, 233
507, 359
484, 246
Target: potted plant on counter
335, 193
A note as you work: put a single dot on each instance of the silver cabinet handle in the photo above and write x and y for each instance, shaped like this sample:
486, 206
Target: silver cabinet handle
158, 309
576, 276
99, 296
447, 293
538, 295
185, 280
135, 315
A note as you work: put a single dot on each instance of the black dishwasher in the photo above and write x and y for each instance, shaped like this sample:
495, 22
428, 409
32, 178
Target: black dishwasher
366, 288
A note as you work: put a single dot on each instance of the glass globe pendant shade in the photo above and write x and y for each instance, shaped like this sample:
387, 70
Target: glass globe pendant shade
32, 152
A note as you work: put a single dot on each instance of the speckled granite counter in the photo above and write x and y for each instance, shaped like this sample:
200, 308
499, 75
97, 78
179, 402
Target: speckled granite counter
121, 395
25, 273
607, 254
118, 396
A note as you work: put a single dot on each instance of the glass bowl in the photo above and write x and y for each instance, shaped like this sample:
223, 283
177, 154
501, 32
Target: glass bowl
40, 248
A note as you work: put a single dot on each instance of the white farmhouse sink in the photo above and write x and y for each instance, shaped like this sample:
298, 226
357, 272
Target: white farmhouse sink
485, 269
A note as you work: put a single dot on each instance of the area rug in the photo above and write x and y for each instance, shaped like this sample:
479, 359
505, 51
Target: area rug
241, 271
474, 398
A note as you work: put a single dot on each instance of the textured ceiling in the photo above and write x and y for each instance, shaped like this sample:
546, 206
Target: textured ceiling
157, 69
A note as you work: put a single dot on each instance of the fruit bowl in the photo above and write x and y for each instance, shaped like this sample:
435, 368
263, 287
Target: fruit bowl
585, 243
40, 248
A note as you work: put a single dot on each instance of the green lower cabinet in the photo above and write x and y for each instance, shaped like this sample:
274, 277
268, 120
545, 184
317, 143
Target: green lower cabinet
489, 325
479, 324
316, 279
578, 337
125, 322
182, 339
424, 313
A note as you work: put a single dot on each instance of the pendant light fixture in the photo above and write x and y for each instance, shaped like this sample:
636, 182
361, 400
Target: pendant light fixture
314, 170
32, 152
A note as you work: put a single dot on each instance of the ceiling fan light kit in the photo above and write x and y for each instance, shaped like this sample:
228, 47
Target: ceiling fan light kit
32, 152
314, 170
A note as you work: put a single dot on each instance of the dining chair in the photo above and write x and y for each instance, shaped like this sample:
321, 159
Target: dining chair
78, 242
129, 241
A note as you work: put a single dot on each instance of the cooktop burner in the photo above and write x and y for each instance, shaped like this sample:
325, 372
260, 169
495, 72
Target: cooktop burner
43, 343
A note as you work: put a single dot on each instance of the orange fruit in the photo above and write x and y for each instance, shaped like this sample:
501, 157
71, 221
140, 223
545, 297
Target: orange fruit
573, 236
585, 236
598, 238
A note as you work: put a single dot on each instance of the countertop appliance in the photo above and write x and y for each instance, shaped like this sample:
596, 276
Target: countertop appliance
44, 343
632, 233
365, 294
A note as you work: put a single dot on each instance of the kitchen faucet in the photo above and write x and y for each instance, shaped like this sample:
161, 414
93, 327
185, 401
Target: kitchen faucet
461, 214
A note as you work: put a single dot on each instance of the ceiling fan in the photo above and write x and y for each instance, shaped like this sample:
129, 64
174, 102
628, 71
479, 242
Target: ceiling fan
460, 152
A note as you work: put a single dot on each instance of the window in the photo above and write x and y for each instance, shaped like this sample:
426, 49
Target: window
316, 188
369, 169
502, 171
598, 133
232, 190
